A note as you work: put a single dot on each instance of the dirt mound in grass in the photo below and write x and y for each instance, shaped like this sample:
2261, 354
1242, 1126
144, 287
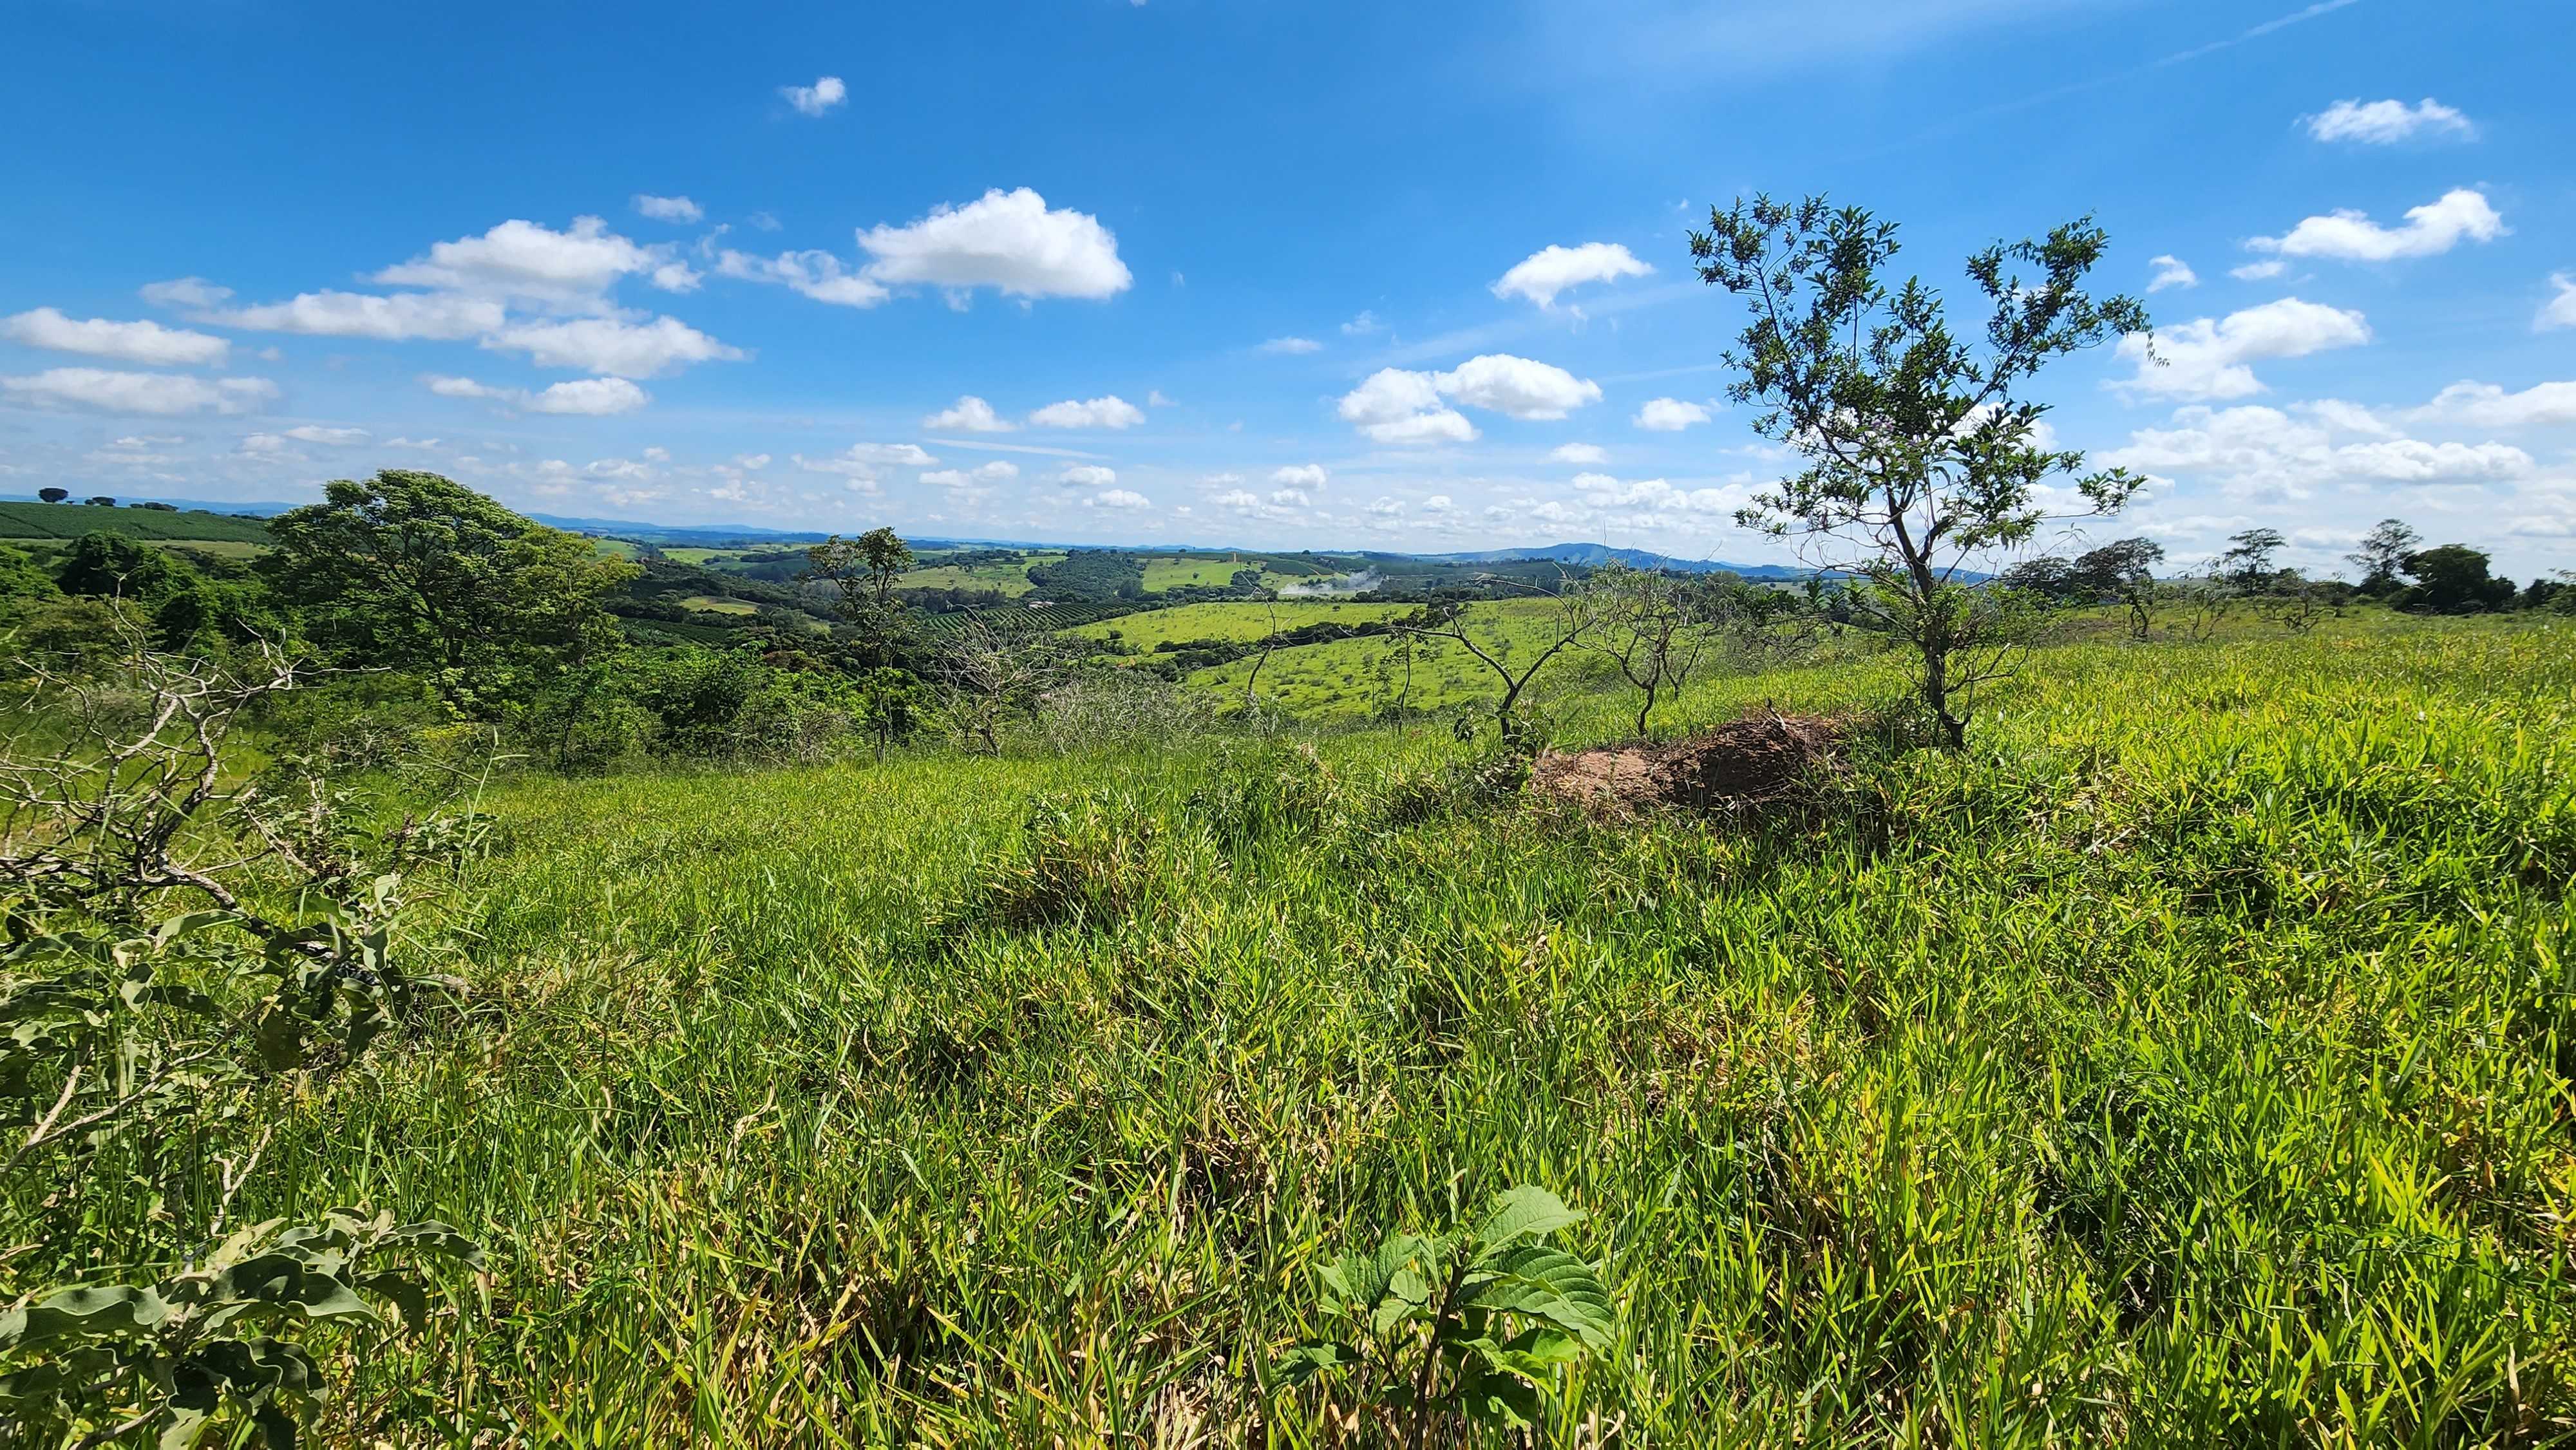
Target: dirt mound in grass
1749, 763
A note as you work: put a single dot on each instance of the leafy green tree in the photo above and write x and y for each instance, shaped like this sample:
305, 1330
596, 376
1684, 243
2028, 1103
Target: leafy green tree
2382, 556
53, 495
2453, 578
2124, 570
418, 572
1922, 450
109, 565
864, 569
2247, 562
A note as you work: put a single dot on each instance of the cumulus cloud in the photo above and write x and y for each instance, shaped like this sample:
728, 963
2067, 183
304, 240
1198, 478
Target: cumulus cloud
1087, 475
2561, 309
1580, 453
143, 394
1651, 496
969, 414
2265, 451
2383, 123
1010, 241
2209, 359
1111, 412
1669, 415
815, 274
1395, 405
585, 398
2485, 405
1119, 498
2430, 230
403, 316
2259, 271
2171, 272
910, 455
1290, 346
143, 342
1553, 269
982, 473
329, 437
525, 261
668, 208
817, 98
612, 347
1362, 325
184, 292
1303, 475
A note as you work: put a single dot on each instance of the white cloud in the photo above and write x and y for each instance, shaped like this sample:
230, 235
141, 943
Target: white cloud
255, 445
1004, 240
438, 317
2171, 272
1401, 407
817, 98
1087, 475
1651, 496
152, 394
2208, 359
1290, 346
1291, 498
983, 473
1154, 399
1553, 269
1438, 503
1303, 475
523, 260
1240, 501
1395, 405
1669, 415
1362, 325
1387, 508
2259, 271
1119, 498
909, 455
1517, 387
1580, 453
2485, 405
332, 437
183, 292
668, 208
1111, 412
612, 347
136, 342
588, 397
2561, 309
2261, 451
584, 398
969, 414
2382, 123
2430, 230
815, 274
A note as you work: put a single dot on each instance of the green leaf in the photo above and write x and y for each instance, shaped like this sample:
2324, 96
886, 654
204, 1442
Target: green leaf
1306, 1361
1523, 1213
1551, 1285
86, 1313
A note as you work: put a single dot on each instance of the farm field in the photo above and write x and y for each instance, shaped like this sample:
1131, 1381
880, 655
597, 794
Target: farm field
1246, 621
70, 521
1352, 678
719, 604
2183, 1064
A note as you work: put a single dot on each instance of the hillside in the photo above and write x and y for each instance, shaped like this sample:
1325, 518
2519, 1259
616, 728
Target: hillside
70, 521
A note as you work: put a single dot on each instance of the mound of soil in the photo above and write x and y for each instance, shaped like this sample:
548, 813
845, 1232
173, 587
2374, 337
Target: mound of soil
1749, 763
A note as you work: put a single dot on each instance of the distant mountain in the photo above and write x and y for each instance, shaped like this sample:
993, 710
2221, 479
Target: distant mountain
201, 505
1593, 556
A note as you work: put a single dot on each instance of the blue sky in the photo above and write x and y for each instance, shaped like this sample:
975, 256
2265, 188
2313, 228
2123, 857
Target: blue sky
1222, 271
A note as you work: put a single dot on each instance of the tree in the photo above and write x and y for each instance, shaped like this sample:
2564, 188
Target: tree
415, 571
53, 495
1489, 641
110, 565
864, 570
2382, 556
1921, 450
2453, 578
101, 501
2247, 562
2124, 570
1653, 627
994, 674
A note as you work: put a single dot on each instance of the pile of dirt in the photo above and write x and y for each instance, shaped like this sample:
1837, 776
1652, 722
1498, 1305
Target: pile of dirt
1749, 763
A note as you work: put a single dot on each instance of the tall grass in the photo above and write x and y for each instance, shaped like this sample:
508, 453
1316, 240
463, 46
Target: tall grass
2186, 1064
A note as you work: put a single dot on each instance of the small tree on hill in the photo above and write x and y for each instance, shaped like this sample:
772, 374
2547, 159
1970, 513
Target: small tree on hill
53, 495
2124, 570
1922, 452
865, 569
1653, 627
2453, 578
2247, 562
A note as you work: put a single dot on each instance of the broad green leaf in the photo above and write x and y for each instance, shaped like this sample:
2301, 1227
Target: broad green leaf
1309, 1360
1523, 1213
84, 1313
1547, 1284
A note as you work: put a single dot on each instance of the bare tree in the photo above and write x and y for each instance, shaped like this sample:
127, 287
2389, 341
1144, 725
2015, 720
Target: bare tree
994, 675
1654, 627
1490, 643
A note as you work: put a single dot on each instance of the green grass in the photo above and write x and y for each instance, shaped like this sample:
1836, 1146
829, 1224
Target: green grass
1352, 678
1165, 572
2186, 1064
1233, 621
71, 520
719, 604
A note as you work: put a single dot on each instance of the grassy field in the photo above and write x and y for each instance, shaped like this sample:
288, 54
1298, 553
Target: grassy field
719, 604
2185, 1064
1165, 572
1354, 678
71, 520
1233, 621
